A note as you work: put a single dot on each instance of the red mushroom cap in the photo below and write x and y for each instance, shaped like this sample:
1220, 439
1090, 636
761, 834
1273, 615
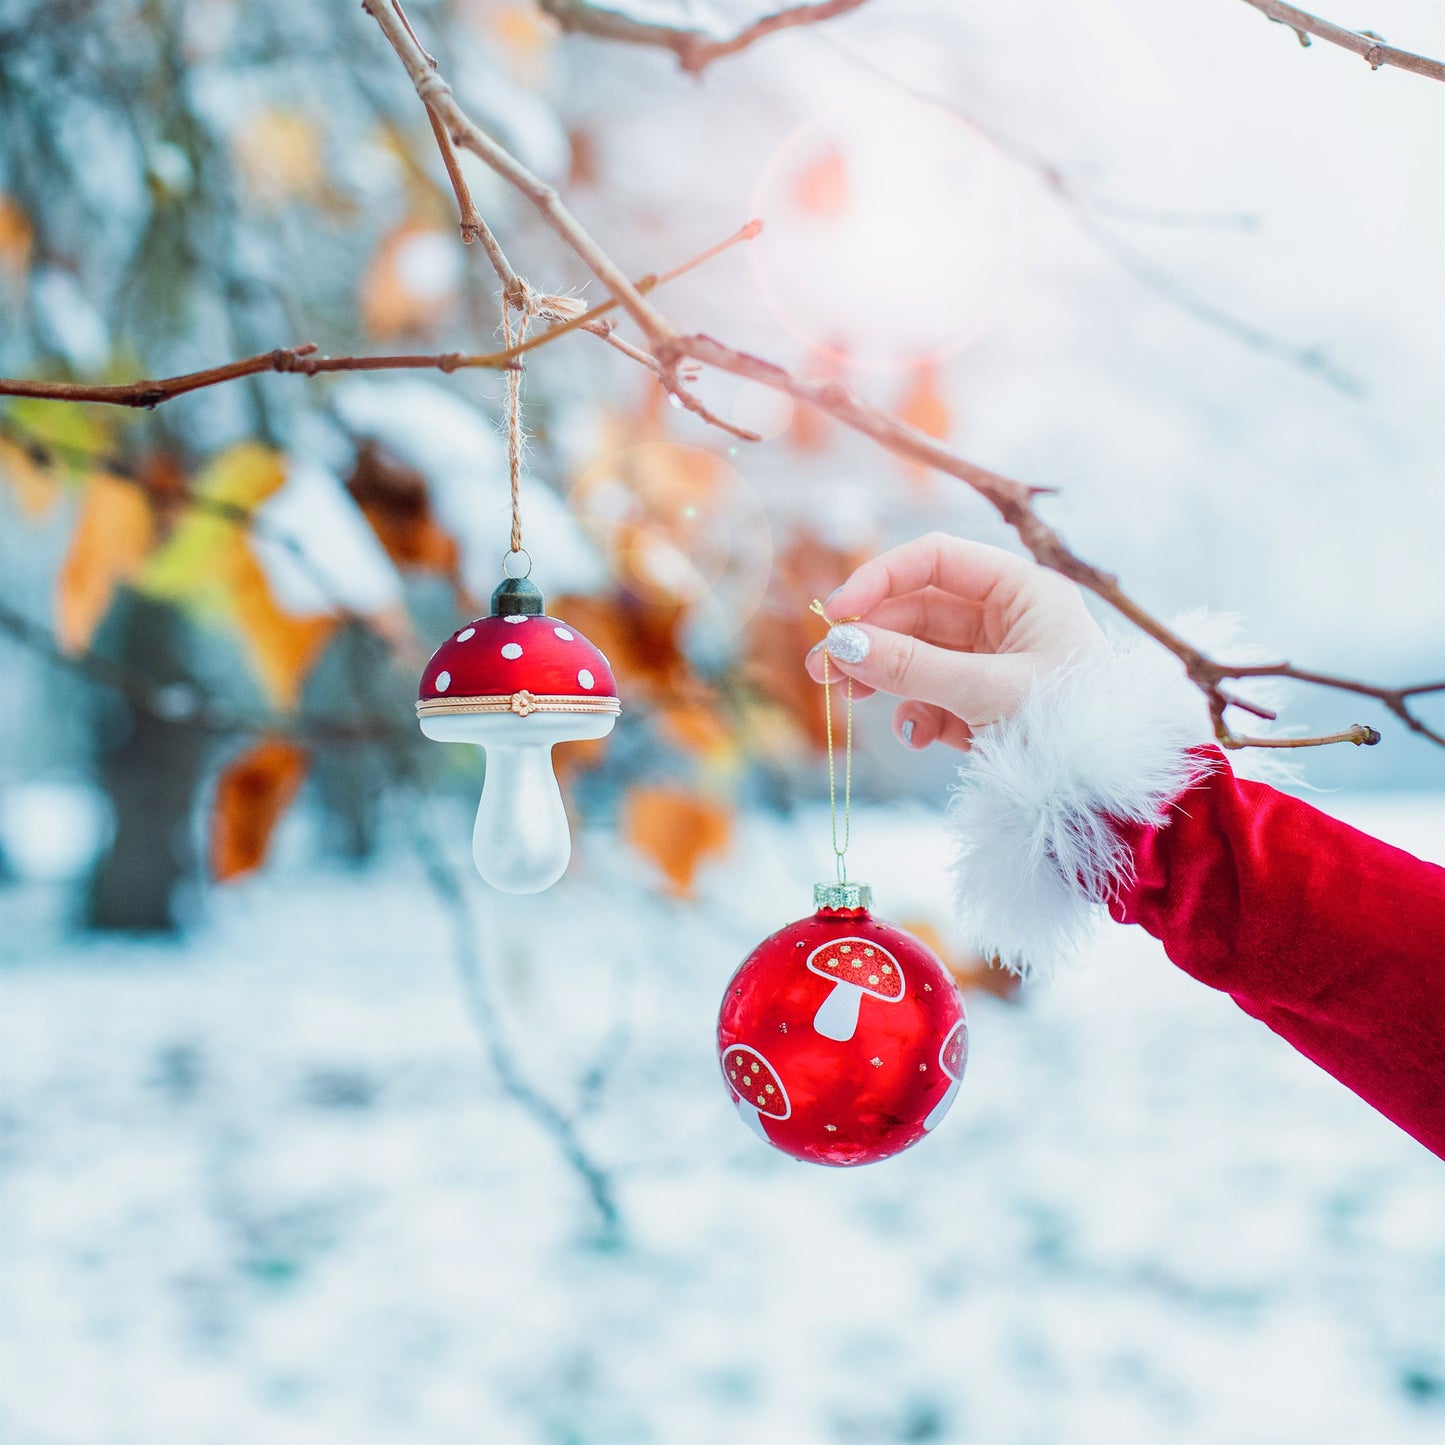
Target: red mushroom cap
864, 963
502, 657
753, 1078
953, 1056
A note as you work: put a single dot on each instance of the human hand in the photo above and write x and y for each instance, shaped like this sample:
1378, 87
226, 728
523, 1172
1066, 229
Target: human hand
958, 629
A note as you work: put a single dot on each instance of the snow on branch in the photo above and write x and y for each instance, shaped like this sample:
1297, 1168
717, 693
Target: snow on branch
696, 44
1365, 43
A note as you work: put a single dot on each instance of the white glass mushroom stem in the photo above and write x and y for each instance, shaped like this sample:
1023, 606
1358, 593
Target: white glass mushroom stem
936, 1113
837, 1016
750, 1116
521, 842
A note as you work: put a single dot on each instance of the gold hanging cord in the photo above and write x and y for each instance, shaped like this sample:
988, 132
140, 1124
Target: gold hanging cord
840, 852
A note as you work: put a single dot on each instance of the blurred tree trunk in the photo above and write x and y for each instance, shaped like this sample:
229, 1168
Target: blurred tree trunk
150, 770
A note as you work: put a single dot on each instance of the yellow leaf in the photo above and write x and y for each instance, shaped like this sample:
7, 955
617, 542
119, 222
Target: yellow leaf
112, 537
280, 155
253, 792
208, 564
193, 566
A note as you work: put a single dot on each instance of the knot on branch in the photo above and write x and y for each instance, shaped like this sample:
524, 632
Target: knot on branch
1375, 57
287, 359
432, 88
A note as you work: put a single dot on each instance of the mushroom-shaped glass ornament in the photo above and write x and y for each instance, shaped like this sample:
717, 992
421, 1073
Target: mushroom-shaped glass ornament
850, 1096
516, 683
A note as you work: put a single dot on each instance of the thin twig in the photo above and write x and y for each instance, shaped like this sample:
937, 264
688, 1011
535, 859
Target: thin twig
1091, 213
1364, 43
695, 48
303, 360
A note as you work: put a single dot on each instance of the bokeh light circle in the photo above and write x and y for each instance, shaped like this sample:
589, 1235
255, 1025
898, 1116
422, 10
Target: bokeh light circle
892, 233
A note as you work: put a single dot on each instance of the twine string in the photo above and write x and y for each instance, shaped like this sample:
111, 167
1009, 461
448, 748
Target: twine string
516, 437
840, 851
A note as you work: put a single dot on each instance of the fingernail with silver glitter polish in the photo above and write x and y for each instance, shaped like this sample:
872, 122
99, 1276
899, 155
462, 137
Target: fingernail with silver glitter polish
907, 731
847, 643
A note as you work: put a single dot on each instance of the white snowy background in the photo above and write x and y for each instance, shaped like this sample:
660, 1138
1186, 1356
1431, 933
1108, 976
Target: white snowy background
260, 1183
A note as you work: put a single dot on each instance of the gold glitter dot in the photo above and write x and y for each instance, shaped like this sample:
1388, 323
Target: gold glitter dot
872, 978
757, 1068
857, 963
845, 948
732, 1073
831, 1128
887, 968
923, 1068
770, 1090
869, 952
928, 988
876, 1062
762, 1100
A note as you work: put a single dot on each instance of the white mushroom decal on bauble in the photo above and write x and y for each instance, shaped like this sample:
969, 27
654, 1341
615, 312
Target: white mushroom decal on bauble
758, 1089
857, 966
952, 1059
517, 683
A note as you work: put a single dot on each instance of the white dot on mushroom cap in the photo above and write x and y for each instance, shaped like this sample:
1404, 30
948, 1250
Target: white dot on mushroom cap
466, 633
563, 634
511, 651
444, 681
586, 679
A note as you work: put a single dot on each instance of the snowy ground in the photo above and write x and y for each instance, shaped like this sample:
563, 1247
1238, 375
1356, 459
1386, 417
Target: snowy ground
262, 1188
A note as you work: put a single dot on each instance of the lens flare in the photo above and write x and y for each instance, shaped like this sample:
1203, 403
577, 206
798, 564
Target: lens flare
892, 234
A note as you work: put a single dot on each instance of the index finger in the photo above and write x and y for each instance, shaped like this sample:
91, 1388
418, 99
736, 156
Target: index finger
971, 570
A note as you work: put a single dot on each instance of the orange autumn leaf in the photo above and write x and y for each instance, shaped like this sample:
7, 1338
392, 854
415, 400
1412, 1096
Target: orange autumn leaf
411, 281
820, 188
971, 971
677, 830
693, 726
924, 405
112, 538
254, 791
16, 237
284, 647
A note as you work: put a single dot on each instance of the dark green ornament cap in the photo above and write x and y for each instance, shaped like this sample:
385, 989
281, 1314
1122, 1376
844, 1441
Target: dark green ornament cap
517, 597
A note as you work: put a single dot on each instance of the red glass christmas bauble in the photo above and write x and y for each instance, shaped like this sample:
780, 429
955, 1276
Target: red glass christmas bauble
842, 1038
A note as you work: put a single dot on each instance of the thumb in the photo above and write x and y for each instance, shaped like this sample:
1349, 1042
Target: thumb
980, 688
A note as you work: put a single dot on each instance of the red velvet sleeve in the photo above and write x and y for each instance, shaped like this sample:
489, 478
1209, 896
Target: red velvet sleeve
1332, 938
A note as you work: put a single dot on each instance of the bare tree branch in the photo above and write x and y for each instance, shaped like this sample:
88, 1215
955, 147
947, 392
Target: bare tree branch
303, 360
694, 47
1365, 43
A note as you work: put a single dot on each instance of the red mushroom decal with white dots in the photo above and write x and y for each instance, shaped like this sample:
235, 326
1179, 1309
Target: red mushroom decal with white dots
952, 1059
857, 966
516, 683
757, 1086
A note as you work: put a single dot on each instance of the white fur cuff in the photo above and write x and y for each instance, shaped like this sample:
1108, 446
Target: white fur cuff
1108, 736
